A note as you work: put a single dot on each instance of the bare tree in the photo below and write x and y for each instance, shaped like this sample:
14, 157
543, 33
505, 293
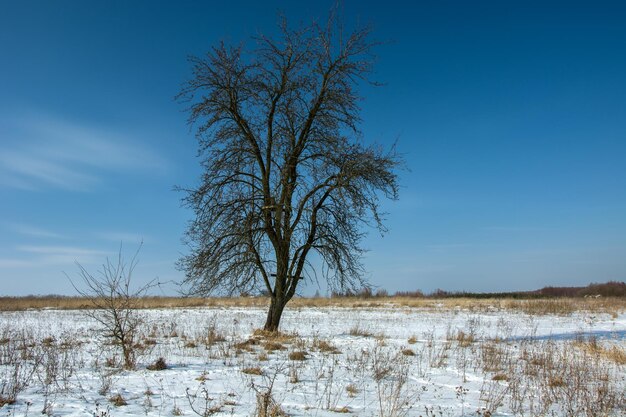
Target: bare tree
286, 173
114, 303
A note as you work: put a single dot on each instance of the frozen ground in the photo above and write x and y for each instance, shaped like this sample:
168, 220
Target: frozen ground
387, 362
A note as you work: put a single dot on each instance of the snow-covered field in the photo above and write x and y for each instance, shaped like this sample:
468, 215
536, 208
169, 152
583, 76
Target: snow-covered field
386, 362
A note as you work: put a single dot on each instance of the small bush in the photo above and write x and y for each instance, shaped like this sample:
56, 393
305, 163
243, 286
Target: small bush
118, 400
158, 365
464, 339
500, 377
298, 355
267, 406
341, 410
6, 401
213, 336
358, 331
272, 346
252, 370
324, 346
556, 382
352, 390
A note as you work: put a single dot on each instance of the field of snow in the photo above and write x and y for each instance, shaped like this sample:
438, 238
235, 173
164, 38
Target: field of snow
384, 361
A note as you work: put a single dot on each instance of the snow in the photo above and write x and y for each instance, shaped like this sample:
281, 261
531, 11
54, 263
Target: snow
446, 372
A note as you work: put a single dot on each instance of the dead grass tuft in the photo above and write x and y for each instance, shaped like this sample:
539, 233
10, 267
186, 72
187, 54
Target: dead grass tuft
247, 345
556, 381
615, 354
158, 365
271, 346
341, 410
6, 401
275, 336
252, 370
297, 355
352, 390
359, 331
117, 400
324, 346
464, 339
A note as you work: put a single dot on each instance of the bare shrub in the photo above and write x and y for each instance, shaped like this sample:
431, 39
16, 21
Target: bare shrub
325, 346
359, 331
297, 355
266, 405
118, 401
408, 352
158, 365
201, 402
352, 390
114, 303
391, 377
19, 361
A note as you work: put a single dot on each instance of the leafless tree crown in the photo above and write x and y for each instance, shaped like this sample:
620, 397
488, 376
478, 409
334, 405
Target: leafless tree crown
286, 173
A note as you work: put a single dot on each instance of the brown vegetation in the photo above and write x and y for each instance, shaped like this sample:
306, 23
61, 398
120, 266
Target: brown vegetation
297, 355
252, 370
540, 306
118, 401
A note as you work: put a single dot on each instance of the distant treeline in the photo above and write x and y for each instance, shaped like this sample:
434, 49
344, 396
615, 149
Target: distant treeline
608, 289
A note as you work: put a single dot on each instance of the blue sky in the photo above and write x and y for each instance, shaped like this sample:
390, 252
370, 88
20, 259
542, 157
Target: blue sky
511, 117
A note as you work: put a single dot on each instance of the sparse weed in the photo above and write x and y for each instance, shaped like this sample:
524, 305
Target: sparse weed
252, 370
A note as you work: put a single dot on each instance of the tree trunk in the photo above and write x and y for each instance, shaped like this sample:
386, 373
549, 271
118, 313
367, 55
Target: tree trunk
274, 313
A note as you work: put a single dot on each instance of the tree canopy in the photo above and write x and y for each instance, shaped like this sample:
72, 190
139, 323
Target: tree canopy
286, 171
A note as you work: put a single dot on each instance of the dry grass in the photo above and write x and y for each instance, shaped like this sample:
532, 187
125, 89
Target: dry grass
158, 365
276, 336
6, 401
556, 381
271, 346
352, 390
325, 346
297, 355
464, 339
615, 353
558, 306
252, 370
341, 410
118, 400
359, 331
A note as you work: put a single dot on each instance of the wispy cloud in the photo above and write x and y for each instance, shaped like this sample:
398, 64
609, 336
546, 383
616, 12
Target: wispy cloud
515, 229
60, 255
449, 246
34, 231
36, 257
124, 237
14, 263
43, 152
